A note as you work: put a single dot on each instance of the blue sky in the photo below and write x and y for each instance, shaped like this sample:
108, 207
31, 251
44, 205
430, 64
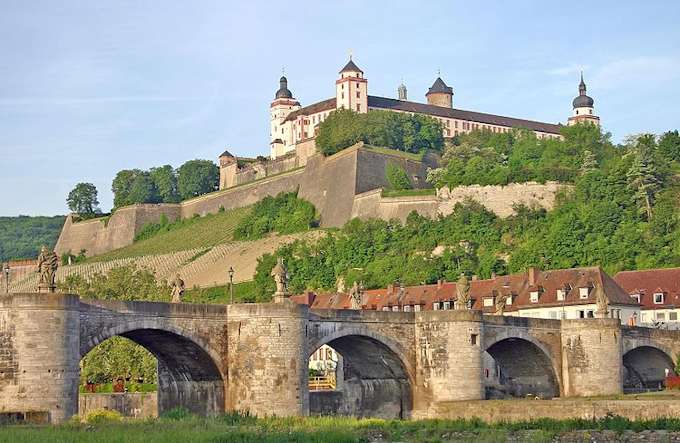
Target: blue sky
88, 88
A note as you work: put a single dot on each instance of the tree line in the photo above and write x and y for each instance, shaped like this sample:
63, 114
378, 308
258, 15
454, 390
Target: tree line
162, 184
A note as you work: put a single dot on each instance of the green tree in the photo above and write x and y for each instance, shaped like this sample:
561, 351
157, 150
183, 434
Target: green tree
83, 200
669, 145
397, 177
122, 185
165, 180
643, 177
22, 236
588, 162
197, 177
143, 190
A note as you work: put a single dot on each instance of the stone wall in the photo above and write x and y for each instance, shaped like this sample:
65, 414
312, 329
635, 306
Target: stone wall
104, 234
501, 199
343, 186
129, 404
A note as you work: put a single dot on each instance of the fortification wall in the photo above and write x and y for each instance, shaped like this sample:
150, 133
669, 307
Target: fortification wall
372, 204
501, 199
104, 234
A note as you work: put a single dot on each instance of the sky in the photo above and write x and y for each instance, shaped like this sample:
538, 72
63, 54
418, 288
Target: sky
88, 88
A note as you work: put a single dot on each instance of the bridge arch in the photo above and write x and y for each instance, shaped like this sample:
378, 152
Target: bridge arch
522, 366
377, 379
188, 370
645, 366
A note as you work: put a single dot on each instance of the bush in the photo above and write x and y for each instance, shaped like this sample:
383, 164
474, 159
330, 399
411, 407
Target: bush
395, 130
102, 416
284, 214
397, 177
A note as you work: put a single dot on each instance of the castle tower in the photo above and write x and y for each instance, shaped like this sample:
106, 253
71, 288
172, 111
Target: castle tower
351, 89
401, 92
440, 94
228, 168
281, 135
583, 107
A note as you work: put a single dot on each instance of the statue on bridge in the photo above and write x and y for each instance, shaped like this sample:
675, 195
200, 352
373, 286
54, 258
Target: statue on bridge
356, 295
280, 274
501, 301
48, 262
178, 288
602, 303
463, 289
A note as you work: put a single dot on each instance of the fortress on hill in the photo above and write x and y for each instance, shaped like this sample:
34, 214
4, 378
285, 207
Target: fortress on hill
342, 186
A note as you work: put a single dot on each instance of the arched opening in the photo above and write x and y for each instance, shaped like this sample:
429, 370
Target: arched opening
644, 369
515, 367
370, 380
187, 377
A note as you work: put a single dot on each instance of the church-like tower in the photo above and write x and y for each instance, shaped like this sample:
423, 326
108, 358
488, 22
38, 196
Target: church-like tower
351, 89
583, 107
440, 94
284, 103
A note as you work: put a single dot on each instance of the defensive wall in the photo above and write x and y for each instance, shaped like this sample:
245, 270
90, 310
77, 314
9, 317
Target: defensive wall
254, 357
343, 186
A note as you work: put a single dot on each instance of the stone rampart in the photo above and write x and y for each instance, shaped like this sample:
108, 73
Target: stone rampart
129, 404
342, 186
104, 234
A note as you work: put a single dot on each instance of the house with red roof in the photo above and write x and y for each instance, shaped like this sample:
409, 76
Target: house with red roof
657, 291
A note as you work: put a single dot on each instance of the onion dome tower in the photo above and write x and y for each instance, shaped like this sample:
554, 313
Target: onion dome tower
583, 107
284, 103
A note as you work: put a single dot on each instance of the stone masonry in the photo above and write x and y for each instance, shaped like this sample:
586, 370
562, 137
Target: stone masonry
253, 357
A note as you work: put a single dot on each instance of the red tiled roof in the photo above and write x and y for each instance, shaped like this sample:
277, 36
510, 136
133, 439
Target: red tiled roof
651, 281
516, 285
437, 111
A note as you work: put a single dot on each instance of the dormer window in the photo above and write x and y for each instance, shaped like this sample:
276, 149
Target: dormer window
447, 305
508, 300
584, 292
561, 293
435, 306
635, 297
488, 302
658, 298
533, 296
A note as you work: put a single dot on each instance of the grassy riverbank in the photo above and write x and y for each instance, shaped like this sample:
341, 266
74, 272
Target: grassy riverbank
244, 429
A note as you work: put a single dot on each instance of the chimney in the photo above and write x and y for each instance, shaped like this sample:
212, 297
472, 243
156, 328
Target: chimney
439, 284
533, 272
390, 289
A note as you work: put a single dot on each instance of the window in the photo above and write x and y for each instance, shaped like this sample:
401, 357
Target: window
673, 316
581, 314
583, 292
658, 298
435, 306
395, 308
533, 296
560, 294
358, 94
635, 297
407, 308
488, 302
447, 305
386, 308
590, 314
508, 300
342, 95
358, 107
416, 308
661, 316
473, 339
563, 315
577, 112
553, 314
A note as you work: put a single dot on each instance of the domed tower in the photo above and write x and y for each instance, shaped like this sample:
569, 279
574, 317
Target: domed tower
281, 136
351, 89
440, 94
583, 107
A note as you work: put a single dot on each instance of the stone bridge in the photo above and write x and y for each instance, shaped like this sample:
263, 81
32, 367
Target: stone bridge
214, 358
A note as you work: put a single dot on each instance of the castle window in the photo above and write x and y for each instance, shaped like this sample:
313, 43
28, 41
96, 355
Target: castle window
358, 94
577, 112
342, 95
590, 111
658, 298
358, 107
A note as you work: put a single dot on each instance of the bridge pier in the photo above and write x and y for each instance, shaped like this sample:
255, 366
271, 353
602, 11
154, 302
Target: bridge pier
268, 359
592, 357
448, 357
39, 356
